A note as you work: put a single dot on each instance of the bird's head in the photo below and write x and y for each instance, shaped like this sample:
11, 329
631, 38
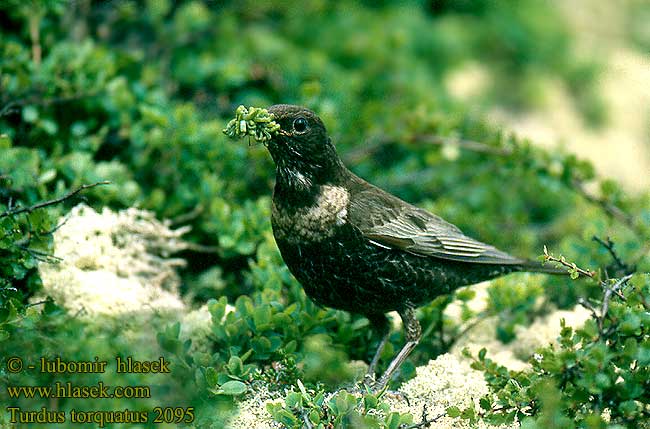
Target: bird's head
302, 151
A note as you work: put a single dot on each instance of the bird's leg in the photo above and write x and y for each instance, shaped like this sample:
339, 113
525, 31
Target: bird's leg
413, 333
380, 324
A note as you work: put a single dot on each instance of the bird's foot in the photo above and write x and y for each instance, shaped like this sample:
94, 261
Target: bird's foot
370, 385
396, 394
369, 380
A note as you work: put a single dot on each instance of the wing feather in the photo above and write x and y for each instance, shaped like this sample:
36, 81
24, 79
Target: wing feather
389, 222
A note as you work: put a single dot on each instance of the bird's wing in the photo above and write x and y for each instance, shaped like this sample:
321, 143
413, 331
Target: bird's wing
389, 222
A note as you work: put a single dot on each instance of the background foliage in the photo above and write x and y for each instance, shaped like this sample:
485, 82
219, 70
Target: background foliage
137, 93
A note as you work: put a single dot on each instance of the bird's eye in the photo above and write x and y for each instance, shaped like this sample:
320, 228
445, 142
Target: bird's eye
300, 125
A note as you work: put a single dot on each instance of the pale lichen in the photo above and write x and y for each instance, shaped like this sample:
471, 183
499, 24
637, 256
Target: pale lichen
197, 327
114, 263
515, 355
252, 412
443, 382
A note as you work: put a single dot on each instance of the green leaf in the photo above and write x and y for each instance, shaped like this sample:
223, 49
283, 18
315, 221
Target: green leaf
233, 388
314, 417
482, 353
393, 421
294, 400
485, 403
211, 376
453, 411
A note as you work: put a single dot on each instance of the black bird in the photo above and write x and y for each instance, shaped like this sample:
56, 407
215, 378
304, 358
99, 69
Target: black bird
357, 248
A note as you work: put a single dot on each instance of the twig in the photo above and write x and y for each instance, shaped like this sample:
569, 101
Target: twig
202, 248
308, 424
19, 210
609, 246
6, 109
56, 228
35, 35
609, 208
619, 265
41, 256
426, 422
613, 289
376, 143
478, 319
586, 304
186, 217
471, 145
37, 99
572, 266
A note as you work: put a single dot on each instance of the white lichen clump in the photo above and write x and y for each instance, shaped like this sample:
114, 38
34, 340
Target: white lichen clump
443, 382
197, 326
114, 263
515, 355
252, 413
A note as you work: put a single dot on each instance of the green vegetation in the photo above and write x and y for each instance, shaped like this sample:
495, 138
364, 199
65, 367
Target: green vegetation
138, 93
600, 369
254, 122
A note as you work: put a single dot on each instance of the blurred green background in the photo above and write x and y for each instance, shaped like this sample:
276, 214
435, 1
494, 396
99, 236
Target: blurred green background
137, 93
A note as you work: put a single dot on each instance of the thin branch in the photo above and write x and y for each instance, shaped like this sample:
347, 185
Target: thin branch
470, 145
372, 145
35, 35
562, 261
56, 228
41, 256
8, 108
475, 321
609, 246
20, 210
426, 421
619, 265
202, 248
189, 216
609, 208
613, 290
305, 418
38, 100
589, 306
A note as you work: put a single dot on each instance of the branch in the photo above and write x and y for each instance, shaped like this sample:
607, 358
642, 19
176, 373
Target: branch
376, 143
37, 100
570, 265
614, 289
609, 246
426, 421
578, 186
470, 145
35, 35
189, 216
609, 208
20, 210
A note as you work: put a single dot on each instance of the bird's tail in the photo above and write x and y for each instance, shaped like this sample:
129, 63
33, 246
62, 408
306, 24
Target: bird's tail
538, 267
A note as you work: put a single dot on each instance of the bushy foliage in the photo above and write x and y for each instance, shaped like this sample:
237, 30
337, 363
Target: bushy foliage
598, 375
137, 93
342, 409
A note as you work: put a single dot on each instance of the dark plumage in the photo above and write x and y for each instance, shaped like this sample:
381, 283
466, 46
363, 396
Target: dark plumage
358, 248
